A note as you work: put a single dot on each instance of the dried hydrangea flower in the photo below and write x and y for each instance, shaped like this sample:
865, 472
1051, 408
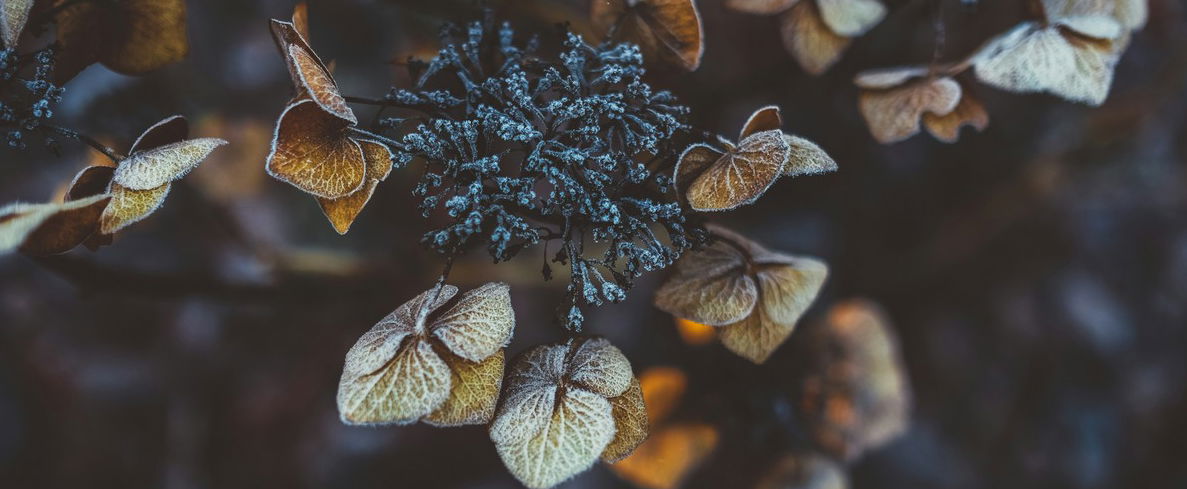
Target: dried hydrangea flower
1071, 57
316, 146
564, 407
755, 296
129, 36
49, 229
715, 179
855, 396
434, 359
804, 471
817, 32
13, 16
895, 100
140, 182
670, 28
1131, 14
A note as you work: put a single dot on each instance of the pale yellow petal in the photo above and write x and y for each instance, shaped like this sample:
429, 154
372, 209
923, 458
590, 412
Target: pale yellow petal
153, 168
474, 391
129, 206
479, 324
630, 421
415, 383
599, 366
575, 434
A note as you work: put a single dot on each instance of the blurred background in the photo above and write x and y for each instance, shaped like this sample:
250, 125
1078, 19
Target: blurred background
1035, 273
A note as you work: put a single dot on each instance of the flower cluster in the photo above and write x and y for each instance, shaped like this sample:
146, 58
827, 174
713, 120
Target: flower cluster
27, 94
522, 147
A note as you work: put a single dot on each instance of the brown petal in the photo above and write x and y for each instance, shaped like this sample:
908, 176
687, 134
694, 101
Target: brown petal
474, 392
761, 7
342, 212
851, 18
692, 162
806, 158
575, 431
170, 130
479, 324
668, 456
765, 119
709, 286
1034, 58
130, 37
785, 293
893, 115
415, 383
90, 181
13, 16
48, 229
804, 471
969, 112
312, 151
742, 175
150, 169
301, 19
809, 40
672, 27
316, 81
630, 420
855, 396
129, 206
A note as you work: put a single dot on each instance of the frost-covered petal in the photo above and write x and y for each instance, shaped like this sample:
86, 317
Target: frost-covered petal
574, 434
1034, 58
13, 16
709, 286
742, 175
129, 206
155, 167
630, 420
312, 151
474, 391
479, 324
969, 112
806, 158
894, 114
379, 345
764, 119
762, 7
599, 366
47, 229
170, 130
413, 384
851, 18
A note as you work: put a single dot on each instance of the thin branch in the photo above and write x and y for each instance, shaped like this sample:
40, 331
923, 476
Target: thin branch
89, 141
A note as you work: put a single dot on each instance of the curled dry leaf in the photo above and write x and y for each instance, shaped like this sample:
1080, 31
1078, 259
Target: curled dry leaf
713, 179
13, 16
129, 36
434, 359
804, 471
855, 396
817, 32
564, 407
894, 101
1071, 57
49, 229
755, 296
670, 28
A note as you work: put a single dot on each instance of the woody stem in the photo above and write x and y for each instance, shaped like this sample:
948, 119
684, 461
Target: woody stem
89, 141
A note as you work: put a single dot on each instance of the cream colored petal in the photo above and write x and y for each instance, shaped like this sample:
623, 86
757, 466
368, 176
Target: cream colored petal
741, 176
576, 432
851, 18
479, 324
894, 114
709, 286
806, 158
630, 421
415, 383
153, 168
1032, 58
787, 286
812, 43
474, 391
379, 345
47, 229
756, 337
600, 367
1097, 26
129, 206
889, 77
761, 7
13, 16
542, 365
523, 413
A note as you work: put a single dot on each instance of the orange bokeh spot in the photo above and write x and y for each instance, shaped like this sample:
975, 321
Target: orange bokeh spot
695, 333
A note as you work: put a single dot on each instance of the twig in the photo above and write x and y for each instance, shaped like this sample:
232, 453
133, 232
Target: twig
89, 141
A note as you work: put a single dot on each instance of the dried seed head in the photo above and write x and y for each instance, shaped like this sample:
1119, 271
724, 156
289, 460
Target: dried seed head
421, 364
671, 28
855, 396
564, 406
1070, 57
755, 295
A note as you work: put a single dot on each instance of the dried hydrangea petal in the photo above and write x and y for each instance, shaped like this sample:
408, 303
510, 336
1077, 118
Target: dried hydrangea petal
969, 112
480, 324
153, 168
570, 441
767, 118
415, 383
312, 151
709, 286
742, 175
600, 367
761, 7
172, 129
13, 16
630, 420
90, 181
671, 27
1036, 58
343, 211
812, 43
129, 206
851, 18
130, 37
807, 158
894, 114
318, 83
47, 229
380, 344
474, 391
692, 162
